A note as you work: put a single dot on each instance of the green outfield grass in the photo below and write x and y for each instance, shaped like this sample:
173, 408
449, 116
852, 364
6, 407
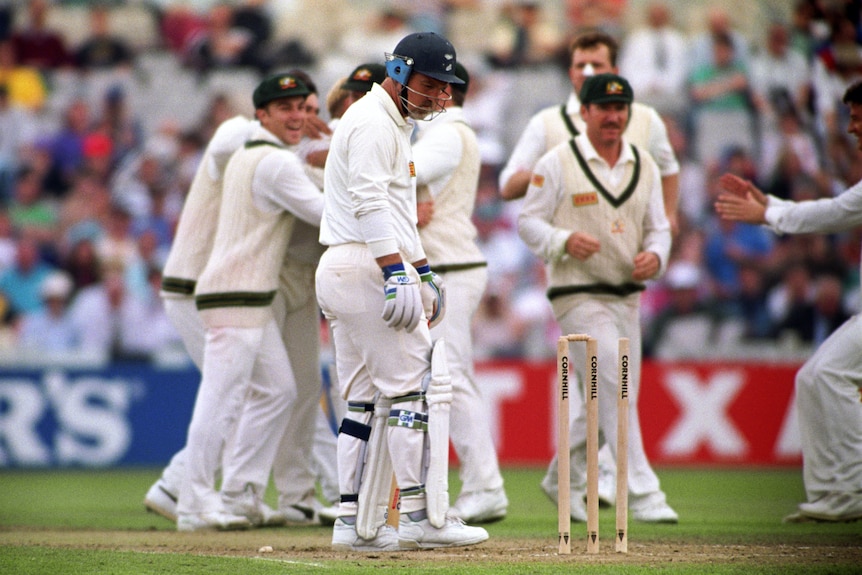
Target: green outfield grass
93, 522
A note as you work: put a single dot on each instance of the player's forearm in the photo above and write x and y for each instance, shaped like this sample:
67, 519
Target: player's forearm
516, 186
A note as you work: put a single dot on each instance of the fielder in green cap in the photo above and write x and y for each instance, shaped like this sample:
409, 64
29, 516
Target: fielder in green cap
279, 102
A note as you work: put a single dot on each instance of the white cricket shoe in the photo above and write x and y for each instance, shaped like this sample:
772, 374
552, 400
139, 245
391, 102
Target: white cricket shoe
250, 505
216, 520
160, 499
484, 506
327, 515
345, 538
607, 486
305, 511
656, 512
577, 507
835, 506
417, 532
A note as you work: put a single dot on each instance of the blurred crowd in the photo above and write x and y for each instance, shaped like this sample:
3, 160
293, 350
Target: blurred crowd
105, 108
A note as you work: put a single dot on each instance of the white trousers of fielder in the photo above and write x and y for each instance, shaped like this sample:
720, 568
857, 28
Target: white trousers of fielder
246, 373
830, 413
469, 425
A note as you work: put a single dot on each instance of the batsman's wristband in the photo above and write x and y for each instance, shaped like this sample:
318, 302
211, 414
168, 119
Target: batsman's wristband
425, 273
393, 270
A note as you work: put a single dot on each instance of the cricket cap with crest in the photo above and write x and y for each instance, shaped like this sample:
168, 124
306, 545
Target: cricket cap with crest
278, 86
605, 88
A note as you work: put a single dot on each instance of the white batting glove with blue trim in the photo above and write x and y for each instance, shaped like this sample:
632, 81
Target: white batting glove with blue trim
402, 306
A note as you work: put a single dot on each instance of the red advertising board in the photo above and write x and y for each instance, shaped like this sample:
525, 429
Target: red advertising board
691, 413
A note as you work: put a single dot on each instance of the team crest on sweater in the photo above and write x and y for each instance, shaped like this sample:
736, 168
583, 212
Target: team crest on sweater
585, 199
618, 226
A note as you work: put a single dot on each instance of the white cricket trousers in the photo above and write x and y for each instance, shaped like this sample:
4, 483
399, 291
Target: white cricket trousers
469, 421
830, 413
246, 373
298, 316
184, 316
608, 318
371, 357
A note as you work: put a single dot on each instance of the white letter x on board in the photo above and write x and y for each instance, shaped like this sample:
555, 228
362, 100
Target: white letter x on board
704, 417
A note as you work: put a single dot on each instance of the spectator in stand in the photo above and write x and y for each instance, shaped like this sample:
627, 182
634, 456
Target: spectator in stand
780, 76
524, 36
788, 152
222, 45
23, 84
97, 311
117, 248
8, 244
808, 27
32, 215
497, 333
728, 245
252, 16
586, 15
654, 59
721, 106
837, 64
37, 45
812, 321
17, 133
98, 150
727, 248
688, 322
718, 25
750, 306
66, 147
103, 50
120, 124
219, 110
794, 290
20, 284
82, 264
50, 329
84, 211
368, 41
146, 330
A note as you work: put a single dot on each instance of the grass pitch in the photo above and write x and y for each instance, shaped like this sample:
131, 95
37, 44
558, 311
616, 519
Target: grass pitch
93, 522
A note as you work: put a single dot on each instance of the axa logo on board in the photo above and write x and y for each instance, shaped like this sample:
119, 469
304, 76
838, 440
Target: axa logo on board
55, 419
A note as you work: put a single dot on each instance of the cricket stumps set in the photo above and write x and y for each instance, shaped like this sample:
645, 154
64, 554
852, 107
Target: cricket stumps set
591, 400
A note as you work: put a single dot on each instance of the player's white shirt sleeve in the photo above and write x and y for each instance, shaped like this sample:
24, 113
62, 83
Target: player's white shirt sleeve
656, 231
280, 184
537, 211
825, 215
659, 146
528, 150
228, 138
437, 152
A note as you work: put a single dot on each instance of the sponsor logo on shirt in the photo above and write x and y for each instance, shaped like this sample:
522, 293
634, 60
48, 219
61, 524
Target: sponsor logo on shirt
585, 199
412, 170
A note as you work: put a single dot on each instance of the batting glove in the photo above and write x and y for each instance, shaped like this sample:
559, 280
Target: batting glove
402, 306
433, 295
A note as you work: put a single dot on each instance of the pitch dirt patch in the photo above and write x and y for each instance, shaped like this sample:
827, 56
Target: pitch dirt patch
312, 545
